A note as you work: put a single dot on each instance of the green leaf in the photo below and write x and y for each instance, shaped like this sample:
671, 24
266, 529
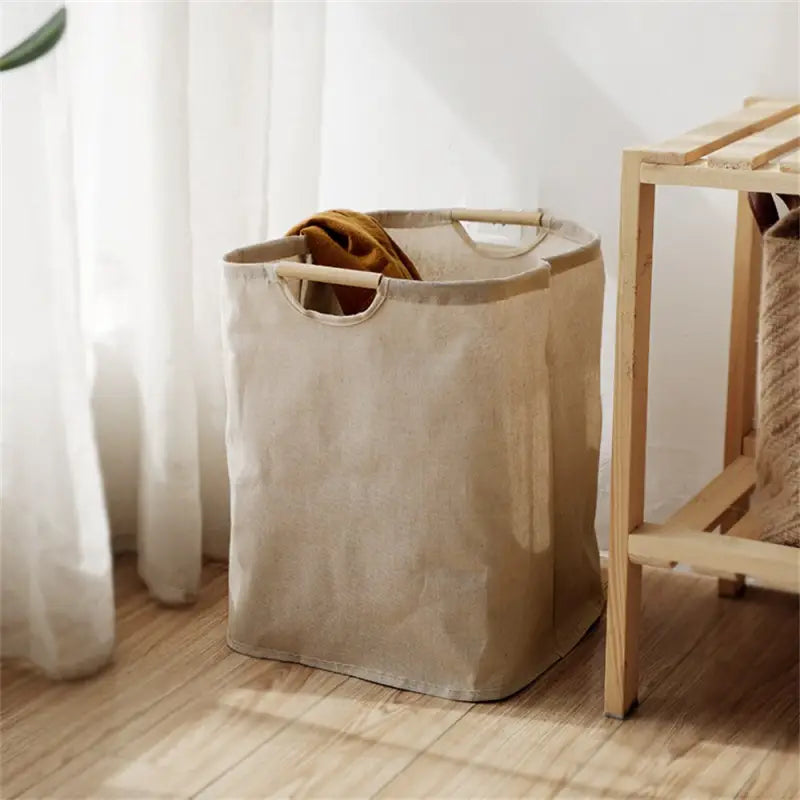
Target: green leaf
37, 44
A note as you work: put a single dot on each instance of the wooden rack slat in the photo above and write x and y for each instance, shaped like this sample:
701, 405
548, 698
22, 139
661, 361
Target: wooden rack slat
773, 565
757, 149
748, 527
701, 141
790, 163
768, 178
704, 510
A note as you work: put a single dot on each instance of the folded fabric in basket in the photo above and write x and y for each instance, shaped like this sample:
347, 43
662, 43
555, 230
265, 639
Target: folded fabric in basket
350, 240
777, 496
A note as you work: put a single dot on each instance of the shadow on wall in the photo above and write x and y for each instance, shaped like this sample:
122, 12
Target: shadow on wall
558, 136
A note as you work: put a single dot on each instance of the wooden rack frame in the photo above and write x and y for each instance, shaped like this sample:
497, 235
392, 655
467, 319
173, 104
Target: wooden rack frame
754, 149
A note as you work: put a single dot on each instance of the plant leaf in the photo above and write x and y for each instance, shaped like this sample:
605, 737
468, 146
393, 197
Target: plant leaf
37, 44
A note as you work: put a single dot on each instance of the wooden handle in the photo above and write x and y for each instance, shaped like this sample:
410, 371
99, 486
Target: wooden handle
321, 274
498, 217
370, 280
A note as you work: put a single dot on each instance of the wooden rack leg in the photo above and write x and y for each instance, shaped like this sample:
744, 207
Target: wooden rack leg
629, 436
742, 360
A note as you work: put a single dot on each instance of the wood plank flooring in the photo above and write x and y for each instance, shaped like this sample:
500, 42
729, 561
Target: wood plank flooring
179, 715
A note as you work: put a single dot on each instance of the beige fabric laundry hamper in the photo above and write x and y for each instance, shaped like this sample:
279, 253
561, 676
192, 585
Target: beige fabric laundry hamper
413, 487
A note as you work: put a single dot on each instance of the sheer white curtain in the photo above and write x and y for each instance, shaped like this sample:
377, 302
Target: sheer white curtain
156, 136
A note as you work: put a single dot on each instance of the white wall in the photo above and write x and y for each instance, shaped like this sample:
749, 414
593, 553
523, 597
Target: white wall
527, 104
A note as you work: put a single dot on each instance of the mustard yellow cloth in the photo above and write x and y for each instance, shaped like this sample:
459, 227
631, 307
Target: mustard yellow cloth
350, 240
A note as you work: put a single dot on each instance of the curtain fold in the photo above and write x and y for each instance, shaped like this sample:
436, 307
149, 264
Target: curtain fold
134, 156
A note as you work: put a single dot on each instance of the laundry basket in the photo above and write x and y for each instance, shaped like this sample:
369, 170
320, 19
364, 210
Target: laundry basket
413, 487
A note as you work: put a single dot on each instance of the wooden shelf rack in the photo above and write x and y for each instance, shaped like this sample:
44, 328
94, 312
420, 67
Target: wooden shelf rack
755, 149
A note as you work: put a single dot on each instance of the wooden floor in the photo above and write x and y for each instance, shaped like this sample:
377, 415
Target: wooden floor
179, 715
